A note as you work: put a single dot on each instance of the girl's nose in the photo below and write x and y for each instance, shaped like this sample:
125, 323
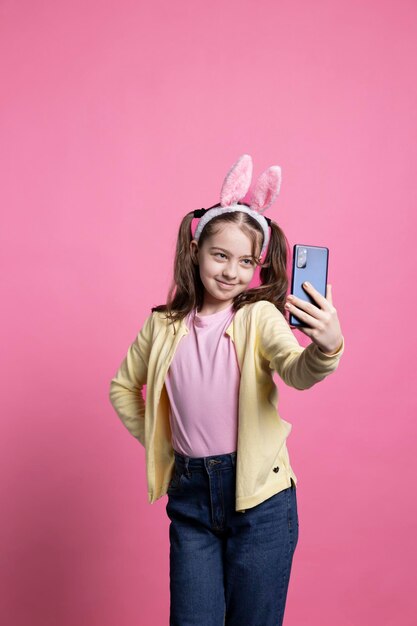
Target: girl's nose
230, 270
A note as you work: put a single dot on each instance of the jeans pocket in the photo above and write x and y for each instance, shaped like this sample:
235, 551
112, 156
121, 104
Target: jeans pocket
176, 481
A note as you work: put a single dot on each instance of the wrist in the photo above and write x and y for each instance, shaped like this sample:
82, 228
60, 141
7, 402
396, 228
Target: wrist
332, 352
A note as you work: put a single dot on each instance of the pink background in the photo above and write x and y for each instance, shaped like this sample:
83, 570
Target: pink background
117, 118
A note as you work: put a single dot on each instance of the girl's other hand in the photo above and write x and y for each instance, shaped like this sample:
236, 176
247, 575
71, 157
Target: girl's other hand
324, 327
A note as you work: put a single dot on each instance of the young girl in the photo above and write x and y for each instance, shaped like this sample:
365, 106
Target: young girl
214, 440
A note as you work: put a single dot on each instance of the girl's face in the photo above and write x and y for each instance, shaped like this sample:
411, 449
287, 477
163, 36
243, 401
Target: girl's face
226, 266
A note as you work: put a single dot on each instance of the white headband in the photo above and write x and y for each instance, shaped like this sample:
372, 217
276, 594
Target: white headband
210, 213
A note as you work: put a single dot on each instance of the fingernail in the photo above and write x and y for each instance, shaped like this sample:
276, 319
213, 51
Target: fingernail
306, 284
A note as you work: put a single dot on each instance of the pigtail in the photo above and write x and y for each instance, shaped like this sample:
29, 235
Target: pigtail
186, 290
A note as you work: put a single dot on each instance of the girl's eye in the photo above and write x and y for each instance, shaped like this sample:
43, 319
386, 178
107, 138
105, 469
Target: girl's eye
249, 261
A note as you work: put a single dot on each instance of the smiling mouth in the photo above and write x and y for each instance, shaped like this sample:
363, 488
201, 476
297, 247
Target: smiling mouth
227, 284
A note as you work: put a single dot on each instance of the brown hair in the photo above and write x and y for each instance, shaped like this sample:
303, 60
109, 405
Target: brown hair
187, 284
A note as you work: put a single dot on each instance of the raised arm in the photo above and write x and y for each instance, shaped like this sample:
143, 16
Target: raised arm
298, 367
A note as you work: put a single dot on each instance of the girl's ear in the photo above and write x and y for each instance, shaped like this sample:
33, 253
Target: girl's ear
237, 181
266, 189
193, 251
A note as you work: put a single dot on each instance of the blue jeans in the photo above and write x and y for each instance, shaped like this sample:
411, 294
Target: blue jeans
227, 567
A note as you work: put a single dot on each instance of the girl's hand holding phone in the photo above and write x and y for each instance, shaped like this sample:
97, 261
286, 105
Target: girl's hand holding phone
324, 328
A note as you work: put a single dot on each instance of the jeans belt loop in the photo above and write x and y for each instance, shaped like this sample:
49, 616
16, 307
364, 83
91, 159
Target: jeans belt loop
187, 470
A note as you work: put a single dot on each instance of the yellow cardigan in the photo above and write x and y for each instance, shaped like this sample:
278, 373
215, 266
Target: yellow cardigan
264, 343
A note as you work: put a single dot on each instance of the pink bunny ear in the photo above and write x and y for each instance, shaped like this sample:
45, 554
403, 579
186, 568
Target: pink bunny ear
237, 181
266, 189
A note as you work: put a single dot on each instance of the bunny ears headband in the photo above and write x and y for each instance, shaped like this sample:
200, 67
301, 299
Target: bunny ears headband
235, 187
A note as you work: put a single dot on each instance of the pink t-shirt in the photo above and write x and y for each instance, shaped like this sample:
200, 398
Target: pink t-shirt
203, 387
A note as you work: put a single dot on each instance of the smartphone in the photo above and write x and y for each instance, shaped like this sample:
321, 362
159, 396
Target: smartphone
308, 263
